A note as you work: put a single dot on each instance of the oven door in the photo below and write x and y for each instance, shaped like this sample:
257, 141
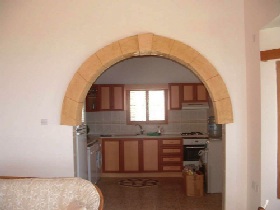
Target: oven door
191, 152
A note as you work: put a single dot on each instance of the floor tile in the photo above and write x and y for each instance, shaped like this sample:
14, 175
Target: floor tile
167, 195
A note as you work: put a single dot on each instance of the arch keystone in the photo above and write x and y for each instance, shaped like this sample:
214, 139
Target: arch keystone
145, 42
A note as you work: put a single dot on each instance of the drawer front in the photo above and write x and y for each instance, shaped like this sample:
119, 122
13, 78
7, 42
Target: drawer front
171, 142
171, 159
171, 168
171, 150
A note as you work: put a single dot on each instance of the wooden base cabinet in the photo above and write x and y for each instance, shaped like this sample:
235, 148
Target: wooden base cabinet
171, 155
150, 156
142, 155
111, 155
130, 155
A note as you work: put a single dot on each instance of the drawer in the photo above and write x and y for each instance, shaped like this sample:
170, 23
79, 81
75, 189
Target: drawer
171, 142
171, 159
171, 168
171, 150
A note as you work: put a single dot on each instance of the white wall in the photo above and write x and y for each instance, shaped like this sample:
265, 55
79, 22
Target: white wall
257, 14
44, 42
269, 39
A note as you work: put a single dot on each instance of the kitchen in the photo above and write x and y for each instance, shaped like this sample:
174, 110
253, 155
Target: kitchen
156, 72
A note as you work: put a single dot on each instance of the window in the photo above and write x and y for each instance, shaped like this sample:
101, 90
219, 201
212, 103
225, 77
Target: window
147, 106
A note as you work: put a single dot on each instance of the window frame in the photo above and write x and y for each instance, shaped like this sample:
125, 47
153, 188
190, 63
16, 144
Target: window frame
129, 122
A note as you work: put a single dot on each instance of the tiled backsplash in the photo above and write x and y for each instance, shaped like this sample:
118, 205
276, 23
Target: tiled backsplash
114, 122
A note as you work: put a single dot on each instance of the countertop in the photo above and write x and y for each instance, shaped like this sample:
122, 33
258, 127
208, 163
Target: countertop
128, 136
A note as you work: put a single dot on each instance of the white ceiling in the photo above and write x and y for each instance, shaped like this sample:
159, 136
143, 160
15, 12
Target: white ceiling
274, 23
147, 70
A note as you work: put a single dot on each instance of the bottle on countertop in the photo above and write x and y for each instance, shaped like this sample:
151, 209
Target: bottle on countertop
159, 130
214, 130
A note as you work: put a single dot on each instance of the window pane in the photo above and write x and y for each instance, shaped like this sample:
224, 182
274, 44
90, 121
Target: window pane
156, 105
138, 105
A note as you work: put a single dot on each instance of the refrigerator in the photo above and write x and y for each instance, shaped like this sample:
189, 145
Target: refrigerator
94, 161
214, 166
80, 151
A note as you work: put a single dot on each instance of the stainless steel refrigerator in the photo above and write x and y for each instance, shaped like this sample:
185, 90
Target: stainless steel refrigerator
214, 166
80, 151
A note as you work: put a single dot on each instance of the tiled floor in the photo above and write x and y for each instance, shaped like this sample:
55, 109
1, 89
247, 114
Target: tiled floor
168, 194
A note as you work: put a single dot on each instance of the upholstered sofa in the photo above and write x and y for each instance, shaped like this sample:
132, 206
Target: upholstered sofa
49, 194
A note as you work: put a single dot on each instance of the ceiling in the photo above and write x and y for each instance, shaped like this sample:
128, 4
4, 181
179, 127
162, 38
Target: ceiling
274, 23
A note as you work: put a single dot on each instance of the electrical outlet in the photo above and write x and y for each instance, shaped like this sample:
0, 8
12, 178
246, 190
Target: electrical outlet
44, 121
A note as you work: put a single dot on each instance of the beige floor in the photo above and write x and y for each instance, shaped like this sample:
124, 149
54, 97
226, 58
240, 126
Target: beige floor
168, 194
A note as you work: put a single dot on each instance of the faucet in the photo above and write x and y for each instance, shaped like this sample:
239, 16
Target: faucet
141, 129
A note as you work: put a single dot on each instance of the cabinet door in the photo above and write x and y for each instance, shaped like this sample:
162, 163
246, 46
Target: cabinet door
201, 93
175, 96
117, 97
193, 92
111, 155
111, 97
150, 155
92, 99
188, 92
131, 155
105, 97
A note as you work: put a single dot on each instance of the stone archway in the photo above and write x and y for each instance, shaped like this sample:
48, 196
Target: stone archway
139, 45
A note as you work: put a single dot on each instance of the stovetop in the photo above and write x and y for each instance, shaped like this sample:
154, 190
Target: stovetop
194, 135
191, 133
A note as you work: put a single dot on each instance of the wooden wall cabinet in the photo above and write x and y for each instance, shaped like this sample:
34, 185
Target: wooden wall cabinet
111, 97
92, 99
175, 96
186, 92
171, 155
194, 92
105, 98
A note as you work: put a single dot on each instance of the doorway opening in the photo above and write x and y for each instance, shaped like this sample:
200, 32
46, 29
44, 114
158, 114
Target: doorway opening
145, 45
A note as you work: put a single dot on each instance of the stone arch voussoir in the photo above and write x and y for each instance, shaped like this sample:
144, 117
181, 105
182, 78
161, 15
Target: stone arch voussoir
139, 45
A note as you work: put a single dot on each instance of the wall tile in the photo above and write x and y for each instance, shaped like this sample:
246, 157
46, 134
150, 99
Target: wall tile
178, 121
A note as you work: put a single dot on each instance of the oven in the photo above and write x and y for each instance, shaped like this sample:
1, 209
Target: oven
192, 145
